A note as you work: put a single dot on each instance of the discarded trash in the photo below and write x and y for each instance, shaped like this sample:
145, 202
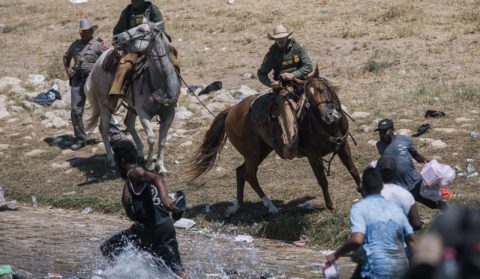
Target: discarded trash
473, 134
214, 86
54, 275
69, 193
23, 274
9, 205
422, 130
230, 271
5, 270
267, 275
434, 114
47, 98
2, 194
78, 1
331, 271
230, 2
302, 241
307, 206
34, 201
193, 88
470, 166
94, 239
87, 210
184, 223
243, 238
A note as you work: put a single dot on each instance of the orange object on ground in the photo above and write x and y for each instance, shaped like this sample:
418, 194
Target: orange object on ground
446, 195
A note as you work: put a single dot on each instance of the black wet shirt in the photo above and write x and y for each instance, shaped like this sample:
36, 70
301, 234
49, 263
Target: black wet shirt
145, 205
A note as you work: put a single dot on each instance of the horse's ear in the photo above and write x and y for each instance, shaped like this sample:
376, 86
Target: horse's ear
316, 73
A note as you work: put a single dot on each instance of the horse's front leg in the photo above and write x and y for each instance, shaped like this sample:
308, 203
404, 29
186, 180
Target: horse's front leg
145, 120
105, 118
166, 120
319, 171
130, 124
346, 158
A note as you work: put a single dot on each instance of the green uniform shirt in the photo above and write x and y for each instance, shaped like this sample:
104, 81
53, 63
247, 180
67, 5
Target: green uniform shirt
294, 59
85, 54
132, 17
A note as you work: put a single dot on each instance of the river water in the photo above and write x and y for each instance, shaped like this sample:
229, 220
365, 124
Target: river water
42, 240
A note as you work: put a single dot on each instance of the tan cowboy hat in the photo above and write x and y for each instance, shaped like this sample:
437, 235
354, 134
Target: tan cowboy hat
279, 32
85, 24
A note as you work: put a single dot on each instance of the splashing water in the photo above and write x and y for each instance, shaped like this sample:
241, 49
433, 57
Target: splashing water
134, 263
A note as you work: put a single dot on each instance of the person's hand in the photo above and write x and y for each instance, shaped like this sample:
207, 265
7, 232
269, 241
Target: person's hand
287, 76
275, 84
170, 204
70, 72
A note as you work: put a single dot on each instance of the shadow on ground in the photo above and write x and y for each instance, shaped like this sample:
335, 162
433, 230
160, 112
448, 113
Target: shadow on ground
286, 225
95, 168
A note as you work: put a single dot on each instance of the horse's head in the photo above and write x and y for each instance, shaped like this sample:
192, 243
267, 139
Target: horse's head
321, 94
137, 39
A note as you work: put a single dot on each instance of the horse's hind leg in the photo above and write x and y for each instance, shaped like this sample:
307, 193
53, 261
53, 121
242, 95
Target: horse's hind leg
319, 171
248, 172
166, 120
130, 124
346, 158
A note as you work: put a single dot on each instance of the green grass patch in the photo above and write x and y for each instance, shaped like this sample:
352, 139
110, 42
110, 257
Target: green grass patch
430, 93
104, 205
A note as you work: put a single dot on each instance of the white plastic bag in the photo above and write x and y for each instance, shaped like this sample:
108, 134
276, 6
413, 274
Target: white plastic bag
435, 173
331, 271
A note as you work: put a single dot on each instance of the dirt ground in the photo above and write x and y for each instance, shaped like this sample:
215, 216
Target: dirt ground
389, 59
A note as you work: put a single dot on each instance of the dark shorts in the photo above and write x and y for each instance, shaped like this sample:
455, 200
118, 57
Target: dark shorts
161, 242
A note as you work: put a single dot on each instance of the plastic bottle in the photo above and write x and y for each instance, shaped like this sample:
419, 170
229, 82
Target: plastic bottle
470, 166
473, 134
2, 194
331, 271
34, 201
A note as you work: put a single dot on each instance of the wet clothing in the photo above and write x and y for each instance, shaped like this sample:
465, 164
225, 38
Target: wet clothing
132, 17
153, 230
401, 149
385, 228
293, 59
84, 55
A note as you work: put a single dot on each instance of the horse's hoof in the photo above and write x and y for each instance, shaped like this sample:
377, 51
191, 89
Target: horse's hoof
332, 208
162, 170
273, 210
233, 208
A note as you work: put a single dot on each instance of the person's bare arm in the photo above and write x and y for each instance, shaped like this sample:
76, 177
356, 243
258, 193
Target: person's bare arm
125, 204
411, 243
414, 218
353, 242
140, 174
419, 157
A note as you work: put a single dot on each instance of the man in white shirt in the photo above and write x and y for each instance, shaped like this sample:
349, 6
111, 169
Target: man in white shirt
397, 194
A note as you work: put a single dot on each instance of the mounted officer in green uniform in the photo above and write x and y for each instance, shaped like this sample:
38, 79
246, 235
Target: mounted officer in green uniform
133, 15
288, 60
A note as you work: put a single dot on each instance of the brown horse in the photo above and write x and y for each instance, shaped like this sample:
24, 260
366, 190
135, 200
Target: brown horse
323, 129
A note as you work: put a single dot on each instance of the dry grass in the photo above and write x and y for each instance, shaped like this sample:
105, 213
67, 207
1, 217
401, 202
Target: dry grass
419, 56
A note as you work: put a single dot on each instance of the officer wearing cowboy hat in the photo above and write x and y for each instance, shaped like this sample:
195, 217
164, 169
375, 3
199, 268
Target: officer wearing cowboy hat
286, 58
84, 53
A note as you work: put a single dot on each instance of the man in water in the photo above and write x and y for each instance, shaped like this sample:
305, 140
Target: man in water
146, 202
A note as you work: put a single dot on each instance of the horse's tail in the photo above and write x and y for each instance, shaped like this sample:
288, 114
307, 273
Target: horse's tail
205, 156
92, 121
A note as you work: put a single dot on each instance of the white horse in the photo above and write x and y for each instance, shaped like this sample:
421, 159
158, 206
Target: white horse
160, 77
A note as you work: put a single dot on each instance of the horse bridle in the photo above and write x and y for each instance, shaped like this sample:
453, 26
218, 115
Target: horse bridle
152, 39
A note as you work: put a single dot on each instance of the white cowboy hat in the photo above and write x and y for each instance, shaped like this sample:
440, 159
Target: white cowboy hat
85, 24
279, 32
